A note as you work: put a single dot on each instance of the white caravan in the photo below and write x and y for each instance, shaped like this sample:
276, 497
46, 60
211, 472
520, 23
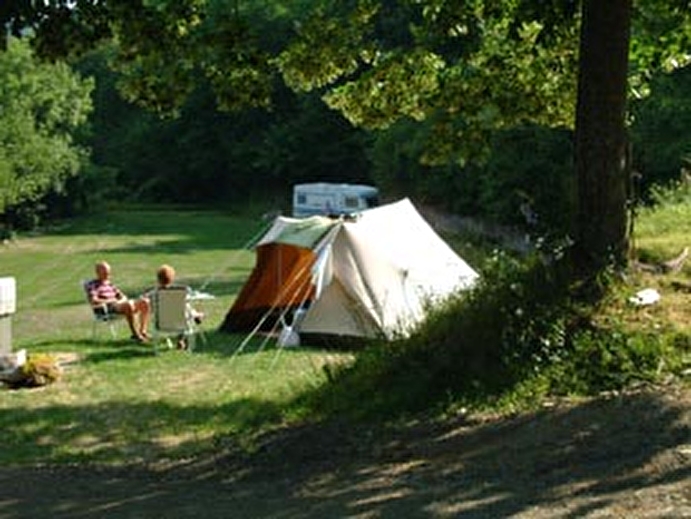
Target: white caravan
321, 198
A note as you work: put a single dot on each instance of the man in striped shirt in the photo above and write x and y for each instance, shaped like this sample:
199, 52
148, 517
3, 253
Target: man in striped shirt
105, 297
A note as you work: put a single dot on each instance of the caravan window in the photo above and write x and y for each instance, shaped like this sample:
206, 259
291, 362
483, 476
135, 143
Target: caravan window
351, 202
302, 199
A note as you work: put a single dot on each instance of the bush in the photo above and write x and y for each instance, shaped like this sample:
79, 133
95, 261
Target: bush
530, 166
527, 167
522, 334
479, 344
605, 359
659, 132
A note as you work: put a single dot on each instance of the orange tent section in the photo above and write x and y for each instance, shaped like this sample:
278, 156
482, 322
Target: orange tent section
280, 281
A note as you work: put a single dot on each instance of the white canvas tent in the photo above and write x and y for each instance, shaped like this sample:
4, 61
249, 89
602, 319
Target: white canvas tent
371, 275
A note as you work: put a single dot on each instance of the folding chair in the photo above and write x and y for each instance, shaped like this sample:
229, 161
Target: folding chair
100, 315
172, 316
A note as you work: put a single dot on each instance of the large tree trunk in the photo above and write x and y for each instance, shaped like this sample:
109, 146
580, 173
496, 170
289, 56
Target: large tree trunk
601, 144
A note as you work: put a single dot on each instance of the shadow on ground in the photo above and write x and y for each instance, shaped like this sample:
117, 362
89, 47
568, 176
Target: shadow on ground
624, 456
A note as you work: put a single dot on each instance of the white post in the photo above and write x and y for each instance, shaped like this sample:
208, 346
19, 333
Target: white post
8, 306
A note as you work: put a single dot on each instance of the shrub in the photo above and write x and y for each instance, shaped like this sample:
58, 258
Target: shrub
520, 335
605, 359
480, 343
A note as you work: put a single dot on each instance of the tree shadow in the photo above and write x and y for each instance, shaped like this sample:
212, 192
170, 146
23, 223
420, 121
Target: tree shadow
566, 462
576, 460
98, 428
200, 227
123, 352
189, 245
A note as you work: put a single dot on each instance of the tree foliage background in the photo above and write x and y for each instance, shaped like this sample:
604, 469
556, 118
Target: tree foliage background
469, 105
42, 128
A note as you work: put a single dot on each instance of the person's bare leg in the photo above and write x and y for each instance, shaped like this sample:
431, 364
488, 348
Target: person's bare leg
142, 307
126, 308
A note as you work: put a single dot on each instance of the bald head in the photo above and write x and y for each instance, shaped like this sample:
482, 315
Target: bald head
102, 270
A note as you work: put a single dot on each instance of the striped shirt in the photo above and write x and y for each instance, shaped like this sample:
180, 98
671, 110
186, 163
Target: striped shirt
103, 291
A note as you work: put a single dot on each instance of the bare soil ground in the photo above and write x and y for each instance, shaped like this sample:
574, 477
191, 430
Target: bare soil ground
625, 455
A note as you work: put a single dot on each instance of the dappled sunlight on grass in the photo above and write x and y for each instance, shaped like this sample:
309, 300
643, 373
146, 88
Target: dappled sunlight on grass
112, 431
662, 234
104, 409
116, 400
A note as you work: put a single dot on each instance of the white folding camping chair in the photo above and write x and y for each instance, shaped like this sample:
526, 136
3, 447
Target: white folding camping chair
100, 315
173, 317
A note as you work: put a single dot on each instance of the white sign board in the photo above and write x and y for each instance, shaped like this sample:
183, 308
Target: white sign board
8, 296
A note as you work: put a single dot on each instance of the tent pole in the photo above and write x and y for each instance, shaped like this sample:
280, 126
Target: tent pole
266, 315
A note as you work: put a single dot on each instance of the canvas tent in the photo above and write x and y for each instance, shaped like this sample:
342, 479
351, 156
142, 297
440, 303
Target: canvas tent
373, 274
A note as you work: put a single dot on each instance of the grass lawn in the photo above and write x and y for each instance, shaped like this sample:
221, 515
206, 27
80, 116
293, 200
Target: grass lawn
117, 401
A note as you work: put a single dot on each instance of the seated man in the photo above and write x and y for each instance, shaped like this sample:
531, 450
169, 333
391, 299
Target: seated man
104, 296
165, 276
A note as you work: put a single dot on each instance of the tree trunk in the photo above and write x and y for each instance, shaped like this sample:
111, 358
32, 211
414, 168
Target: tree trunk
601, 145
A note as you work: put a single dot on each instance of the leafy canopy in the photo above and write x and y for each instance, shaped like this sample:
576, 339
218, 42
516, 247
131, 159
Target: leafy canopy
162, 48
469, 68
44, 107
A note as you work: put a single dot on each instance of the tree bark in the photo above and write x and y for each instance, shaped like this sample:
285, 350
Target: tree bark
601, 236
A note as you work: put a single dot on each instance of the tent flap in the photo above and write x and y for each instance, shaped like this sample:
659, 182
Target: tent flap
280, 280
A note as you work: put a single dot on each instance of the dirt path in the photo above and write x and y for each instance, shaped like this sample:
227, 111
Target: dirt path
622, 456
